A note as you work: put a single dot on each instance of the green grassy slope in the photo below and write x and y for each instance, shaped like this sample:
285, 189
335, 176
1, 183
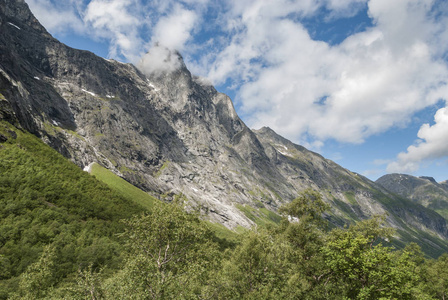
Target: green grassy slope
123, 187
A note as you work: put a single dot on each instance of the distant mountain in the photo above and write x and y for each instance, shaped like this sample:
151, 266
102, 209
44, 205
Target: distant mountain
423, 190
173, 135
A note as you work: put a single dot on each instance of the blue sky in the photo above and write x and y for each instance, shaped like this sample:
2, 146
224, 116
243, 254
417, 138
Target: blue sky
363, 82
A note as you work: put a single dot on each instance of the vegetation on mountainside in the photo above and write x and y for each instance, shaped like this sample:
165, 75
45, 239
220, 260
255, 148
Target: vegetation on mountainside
123, 187
66, 235
46, 200
261, 216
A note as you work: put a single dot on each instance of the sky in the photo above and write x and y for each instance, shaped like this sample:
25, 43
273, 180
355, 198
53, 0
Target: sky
362, 82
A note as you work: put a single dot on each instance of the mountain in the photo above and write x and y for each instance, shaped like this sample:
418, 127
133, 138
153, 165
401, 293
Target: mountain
173, 135
423, 190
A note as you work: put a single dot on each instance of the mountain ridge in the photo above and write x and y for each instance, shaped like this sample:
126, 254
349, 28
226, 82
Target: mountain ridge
423, 190
170, 134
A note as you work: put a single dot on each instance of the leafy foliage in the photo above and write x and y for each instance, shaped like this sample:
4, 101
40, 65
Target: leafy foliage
170, 252
363, 268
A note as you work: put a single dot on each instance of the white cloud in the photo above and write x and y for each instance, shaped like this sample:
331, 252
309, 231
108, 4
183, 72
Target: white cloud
57, 17
432, 144
111, 15
173, 31
130, 27
300, 87
344, 8
159, 59
118, 21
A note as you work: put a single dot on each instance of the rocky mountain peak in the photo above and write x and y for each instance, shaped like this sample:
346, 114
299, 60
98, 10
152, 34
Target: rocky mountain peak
431, 179
400, 183
17, 11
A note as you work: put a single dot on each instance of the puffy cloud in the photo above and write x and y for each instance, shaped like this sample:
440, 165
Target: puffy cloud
159, 59
430, 146
344, 8
173, 31
118, 21
127, 25
303, 88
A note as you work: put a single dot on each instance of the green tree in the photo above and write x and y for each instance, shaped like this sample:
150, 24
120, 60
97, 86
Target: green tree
89, 284
256, 269
437, 277
280, 262
363, 268
170, 253
304, 228
308, 206
38, 280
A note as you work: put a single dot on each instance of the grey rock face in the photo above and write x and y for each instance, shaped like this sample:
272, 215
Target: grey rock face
169, 133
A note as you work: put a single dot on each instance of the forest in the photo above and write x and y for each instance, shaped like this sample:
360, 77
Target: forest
64, 234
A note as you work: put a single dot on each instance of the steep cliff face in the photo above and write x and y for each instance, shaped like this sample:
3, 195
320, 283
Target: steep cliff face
169, 133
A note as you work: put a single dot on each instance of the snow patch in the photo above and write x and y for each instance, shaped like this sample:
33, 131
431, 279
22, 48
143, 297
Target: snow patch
109, 96
280, 145
14, 25
195, 190
88, 168
93, 94
282, 152
55, 123
37, 78
152, 85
